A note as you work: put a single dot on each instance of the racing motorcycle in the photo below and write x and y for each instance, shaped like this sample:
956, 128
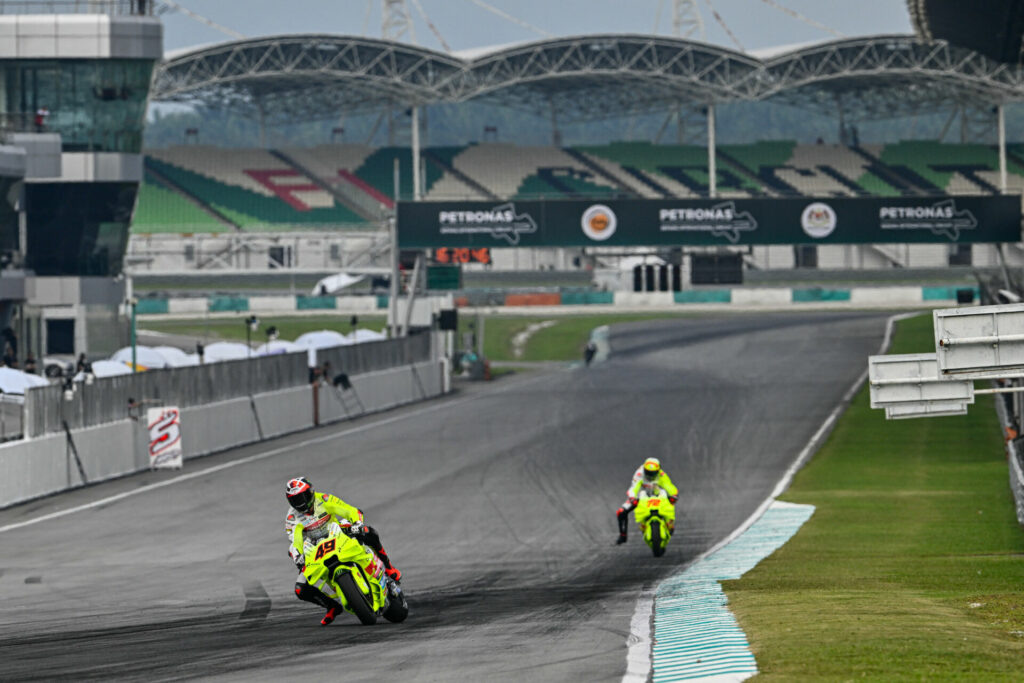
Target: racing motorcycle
351, 574
656, 516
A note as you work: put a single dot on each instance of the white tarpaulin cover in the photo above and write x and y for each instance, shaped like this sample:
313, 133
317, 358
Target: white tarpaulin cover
363, 335
16, 382
174, 356
145, 357
226, 351
106, 368
336, 283
273, 348
322, 339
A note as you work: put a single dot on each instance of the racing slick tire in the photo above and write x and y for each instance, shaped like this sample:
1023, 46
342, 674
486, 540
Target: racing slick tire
656, 546
356, 600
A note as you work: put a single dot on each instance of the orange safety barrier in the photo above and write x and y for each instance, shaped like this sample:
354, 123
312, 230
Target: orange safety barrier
461, 301
533, 299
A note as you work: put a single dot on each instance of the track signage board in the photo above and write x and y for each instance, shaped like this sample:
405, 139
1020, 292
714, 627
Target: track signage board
709, 222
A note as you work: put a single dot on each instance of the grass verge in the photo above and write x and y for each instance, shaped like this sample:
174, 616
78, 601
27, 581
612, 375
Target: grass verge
911, 567
562, 341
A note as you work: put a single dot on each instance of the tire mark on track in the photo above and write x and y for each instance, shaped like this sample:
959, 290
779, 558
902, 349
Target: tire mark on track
257, 602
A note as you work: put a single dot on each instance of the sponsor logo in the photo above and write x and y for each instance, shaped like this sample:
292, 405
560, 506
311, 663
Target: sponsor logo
164, 437
501, 223
941, 218
720, 220
599, 222
818, 220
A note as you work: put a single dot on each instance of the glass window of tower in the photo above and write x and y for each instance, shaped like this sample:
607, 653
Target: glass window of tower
95, 105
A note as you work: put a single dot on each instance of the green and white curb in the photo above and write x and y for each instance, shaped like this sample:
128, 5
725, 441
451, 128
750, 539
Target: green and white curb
696, 637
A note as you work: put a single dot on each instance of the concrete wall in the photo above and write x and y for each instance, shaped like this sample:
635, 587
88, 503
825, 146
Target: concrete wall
37, 467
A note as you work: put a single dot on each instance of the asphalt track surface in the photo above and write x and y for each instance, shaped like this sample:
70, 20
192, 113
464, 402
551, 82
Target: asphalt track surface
497, 503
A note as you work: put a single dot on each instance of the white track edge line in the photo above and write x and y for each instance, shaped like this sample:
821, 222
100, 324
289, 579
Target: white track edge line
638, 658
255, 457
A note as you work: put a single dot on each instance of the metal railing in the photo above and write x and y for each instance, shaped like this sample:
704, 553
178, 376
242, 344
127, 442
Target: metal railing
114, 7
116, 398
112, 398
369, 356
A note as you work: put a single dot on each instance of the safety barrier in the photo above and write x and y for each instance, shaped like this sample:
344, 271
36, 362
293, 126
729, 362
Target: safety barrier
740, 296
1014, 455
31, 468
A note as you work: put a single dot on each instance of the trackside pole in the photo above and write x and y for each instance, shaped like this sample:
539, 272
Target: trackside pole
712, 170
416, 185
393, 288
1001, 116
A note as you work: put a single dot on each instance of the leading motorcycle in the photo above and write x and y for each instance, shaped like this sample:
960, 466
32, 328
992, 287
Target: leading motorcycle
351, 574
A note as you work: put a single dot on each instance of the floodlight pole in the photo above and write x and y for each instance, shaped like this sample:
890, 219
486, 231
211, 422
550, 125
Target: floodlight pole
712, 170
1001, 116
393, 287
133, 302
416, 154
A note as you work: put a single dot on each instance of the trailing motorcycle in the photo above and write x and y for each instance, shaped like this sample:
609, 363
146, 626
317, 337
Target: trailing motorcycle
352, 575
656, 516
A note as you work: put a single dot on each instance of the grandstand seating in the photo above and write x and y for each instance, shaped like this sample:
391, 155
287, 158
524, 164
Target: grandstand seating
252, 188
161, 209
528, 172
298, 187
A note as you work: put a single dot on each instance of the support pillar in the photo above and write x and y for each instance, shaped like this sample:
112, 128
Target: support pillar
712, 168
1001, 116
416, 184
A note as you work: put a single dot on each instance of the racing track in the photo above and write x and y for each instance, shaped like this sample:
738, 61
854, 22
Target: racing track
497, 503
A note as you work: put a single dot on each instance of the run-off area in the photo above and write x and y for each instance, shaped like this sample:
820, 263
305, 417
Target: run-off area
497, 504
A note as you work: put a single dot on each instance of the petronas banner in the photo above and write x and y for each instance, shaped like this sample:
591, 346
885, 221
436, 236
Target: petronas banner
704, 222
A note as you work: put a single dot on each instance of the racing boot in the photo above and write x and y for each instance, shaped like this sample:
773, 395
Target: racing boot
392, 571
329, 617
622, 516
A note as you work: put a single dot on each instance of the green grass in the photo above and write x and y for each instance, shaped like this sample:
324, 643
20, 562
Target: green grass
912, 566
233, 329
563, 341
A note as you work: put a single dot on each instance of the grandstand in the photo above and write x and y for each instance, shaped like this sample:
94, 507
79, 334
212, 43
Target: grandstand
208, 189
343, 187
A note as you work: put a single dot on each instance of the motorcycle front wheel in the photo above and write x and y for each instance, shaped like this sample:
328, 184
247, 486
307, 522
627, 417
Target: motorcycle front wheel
356, 600
657, 547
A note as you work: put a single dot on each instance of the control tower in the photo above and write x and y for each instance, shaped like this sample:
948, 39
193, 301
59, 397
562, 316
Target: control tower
74, 86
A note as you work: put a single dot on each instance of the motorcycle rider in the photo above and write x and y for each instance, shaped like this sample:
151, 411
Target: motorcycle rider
648, 477
315, 516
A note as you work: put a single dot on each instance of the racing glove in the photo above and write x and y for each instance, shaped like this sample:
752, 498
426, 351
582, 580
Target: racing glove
298, 558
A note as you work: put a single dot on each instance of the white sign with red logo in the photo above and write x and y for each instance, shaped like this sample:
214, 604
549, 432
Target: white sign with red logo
164, 437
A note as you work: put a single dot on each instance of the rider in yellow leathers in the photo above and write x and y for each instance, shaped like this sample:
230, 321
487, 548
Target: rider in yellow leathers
649, 477
314, 516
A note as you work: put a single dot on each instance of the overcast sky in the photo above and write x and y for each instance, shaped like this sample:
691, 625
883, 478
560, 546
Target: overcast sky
464, 24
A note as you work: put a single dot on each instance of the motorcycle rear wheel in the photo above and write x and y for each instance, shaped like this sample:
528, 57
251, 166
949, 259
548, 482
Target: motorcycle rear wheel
356, 600
657, 547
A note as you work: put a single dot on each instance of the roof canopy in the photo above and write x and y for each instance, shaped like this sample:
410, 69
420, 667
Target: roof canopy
305, 77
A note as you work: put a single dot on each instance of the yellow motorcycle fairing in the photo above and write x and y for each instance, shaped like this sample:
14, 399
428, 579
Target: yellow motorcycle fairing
326, 561
656, 507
